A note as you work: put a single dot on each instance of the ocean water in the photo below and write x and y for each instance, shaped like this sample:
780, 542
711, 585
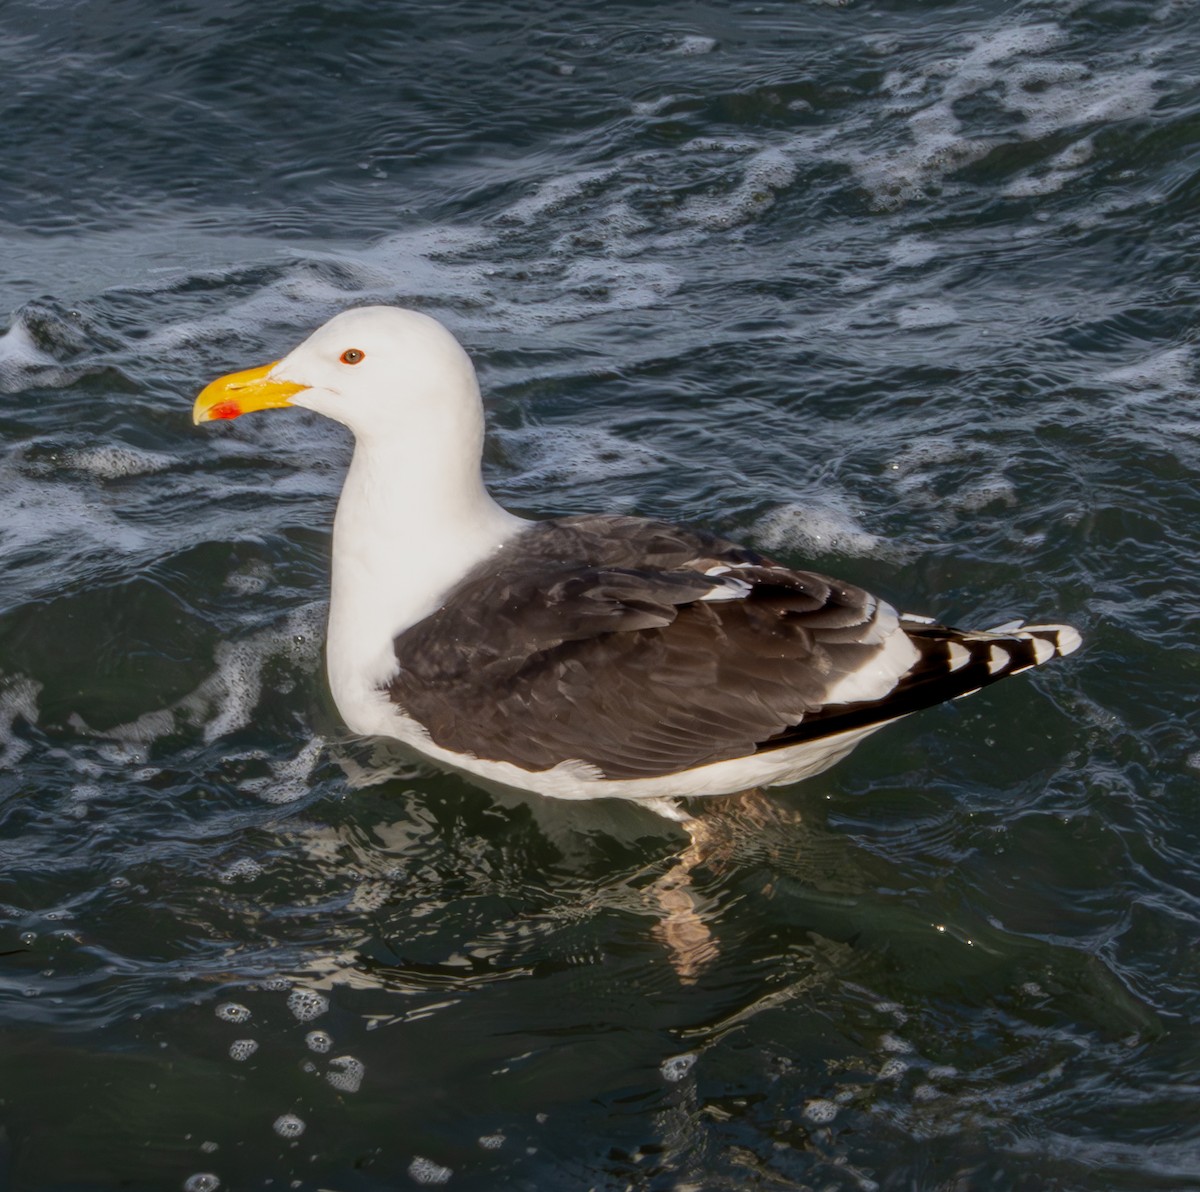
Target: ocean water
904, 291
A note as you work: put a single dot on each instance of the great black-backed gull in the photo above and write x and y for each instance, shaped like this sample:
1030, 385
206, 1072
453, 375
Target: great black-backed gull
589, 656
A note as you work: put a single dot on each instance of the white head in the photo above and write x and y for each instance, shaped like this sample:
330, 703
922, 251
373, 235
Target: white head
384, 372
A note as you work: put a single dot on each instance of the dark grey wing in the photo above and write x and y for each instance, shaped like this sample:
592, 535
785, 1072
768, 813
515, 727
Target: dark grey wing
541, 658
563, 648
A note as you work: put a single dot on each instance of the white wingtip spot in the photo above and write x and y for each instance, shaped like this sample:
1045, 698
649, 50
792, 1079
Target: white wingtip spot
998, 659
1068, 639
1043, 650
959, 655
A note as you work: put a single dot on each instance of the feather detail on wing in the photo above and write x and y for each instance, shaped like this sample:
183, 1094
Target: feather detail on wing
643, 650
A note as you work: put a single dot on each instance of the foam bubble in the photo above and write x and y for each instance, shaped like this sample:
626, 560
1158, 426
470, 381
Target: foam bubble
820, 1110
116, 461
547, 454
44, 513
1007, 69
491, 1142
678, 1066
19, 356
554, 193
289, 778
202, 1181
766, 172
307, 1004
1055, 173
318, 1041
18, 701
895, 1044
426, 1171
242, 1049
818, 529
226, 700
288, 1125
233, 1012
250, 580
1168, 370
992, 490
692, 44
245, 869
346, 1073
1058, 95
909, 251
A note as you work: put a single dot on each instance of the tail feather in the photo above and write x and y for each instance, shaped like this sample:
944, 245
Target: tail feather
952, 663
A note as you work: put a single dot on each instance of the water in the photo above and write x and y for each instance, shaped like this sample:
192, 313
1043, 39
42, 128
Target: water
901, 290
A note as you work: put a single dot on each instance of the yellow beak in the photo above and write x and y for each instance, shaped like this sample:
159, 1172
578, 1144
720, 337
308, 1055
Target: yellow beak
241, 392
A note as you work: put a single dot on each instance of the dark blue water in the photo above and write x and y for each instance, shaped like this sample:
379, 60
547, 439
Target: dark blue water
903, 291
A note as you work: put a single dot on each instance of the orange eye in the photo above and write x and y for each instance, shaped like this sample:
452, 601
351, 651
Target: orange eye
352, 355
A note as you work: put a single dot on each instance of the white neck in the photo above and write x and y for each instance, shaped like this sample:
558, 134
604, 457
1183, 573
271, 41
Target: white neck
411, 521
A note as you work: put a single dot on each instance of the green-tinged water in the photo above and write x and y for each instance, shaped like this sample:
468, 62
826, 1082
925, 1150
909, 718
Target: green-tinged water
902, 291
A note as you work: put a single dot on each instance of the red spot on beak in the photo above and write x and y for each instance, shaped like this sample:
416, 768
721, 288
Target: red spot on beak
225, 409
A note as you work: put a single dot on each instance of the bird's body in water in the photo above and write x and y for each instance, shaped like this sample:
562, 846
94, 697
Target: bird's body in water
589, 656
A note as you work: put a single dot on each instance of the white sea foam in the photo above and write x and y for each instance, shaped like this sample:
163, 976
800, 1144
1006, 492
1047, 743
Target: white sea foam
915, 473
1055, 173
242, 1049
554, 193
912, 251
306, 1004
19, 357
692, 44
226, 700
820, 1110
318, 1041
1166, 371
1007, 68
547, 455
288, 1125
346, 1073
289, 777
47, 512
677, 1067
114, 461
818, 528
426, 1171
18, 701
202, 1181
245, 869
765, 174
